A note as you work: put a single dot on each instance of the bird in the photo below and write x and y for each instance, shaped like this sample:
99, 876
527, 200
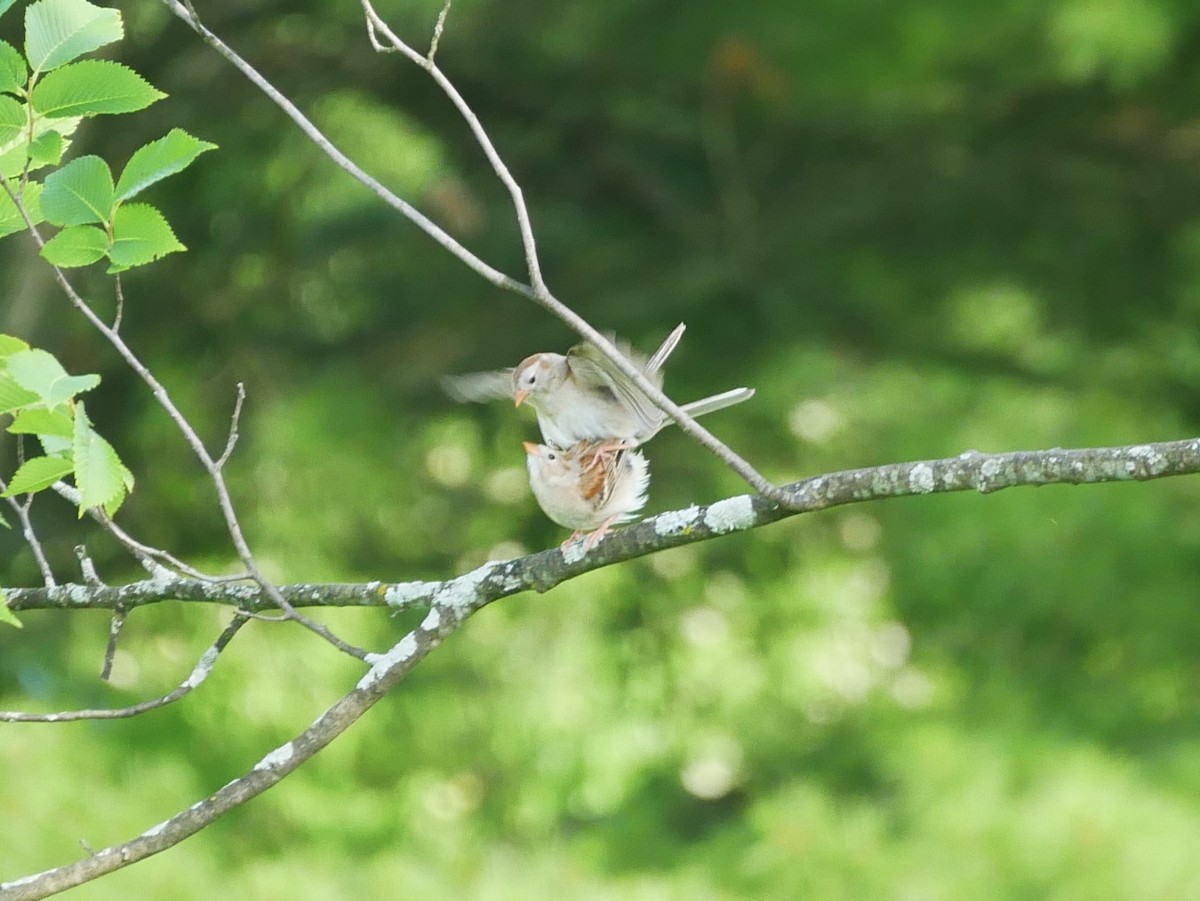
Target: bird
587, 487
582, 396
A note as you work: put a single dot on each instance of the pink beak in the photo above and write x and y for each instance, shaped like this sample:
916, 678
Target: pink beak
531, 448
519, 397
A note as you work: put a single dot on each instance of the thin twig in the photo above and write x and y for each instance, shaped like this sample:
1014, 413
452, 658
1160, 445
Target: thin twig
481, 138
30, 536
116, 325
199, 673
437, 31
147, 555
233, 426
115, 626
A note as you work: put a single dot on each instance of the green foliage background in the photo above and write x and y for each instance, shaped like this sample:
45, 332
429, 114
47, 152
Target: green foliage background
916, 228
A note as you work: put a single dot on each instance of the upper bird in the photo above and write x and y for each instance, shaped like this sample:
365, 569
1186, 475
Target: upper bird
583, 396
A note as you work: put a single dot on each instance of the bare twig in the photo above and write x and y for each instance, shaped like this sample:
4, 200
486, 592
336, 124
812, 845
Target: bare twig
234, 420
30, 536
437, 31
116, 325
481, 138
148, 556
115, 627
198, 674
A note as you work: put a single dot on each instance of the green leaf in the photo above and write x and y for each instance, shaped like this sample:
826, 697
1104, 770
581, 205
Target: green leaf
76, 245
9, 344
56, 445
10, 217
12, 119
6, 615
100, 476
92, 87
47, 149
40, 421
13, 396
79, 193
4, 5
140, 235
39, 372
155, 161
12, 69
58, 31
36, 474
14, 155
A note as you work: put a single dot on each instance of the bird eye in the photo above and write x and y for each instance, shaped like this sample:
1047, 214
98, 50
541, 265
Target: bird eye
551, 456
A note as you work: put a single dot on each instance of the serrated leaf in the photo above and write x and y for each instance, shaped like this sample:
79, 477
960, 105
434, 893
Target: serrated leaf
55, 445
79, 193
10, 217
13, 119
93, 87
155, 161
6, 615
10, 344
13, 396
76, 245
39, 372
40, 421
36, 474
47, 149
99, 473
12, 68
14, 155
58, 31
140, 235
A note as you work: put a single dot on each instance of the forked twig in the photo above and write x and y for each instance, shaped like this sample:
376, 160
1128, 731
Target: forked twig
198, 674
538, 291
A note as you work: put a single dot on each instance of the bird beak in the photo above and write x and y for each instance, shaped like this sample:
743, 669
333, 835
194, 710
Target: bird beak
519, 397
530, 448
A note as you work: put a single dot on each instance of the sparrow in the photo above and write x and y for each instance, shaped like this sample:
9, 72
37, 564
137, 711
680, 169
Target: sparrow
582, 396
587, 487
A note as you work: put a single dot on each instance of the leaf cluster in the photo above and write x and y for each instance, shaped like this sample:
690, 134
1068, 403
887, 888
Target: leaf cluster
44, 93
42, 400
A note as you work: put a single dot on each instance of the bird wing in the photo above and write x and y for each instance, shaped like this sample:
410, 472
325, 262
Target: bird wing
593, 370
479, 387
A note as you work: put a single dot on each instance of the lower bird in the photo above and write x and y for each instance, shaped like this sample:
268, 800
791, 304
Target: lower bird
587, 487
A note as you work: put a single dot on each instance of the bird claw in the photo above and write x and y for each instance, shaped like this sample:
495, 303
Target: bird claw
589, 540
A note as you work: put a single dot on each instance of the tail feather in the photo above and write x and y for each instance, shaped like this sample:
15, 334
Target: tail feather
718, 401
665, 350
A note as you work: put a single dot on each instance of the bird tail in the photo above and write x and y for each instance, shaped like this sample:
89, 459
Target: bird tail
655, 363
718, 401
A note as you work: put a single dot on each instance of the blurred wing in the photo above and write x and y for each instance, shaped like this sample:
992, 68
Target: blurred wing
479, 387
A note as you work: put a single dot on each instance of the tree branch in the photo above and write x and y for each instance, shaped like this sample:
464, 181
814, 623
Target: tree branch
969, 471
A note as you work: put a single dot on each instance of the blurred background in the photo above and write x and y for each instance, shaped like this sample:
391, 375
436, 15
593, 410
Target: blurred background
914, 227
